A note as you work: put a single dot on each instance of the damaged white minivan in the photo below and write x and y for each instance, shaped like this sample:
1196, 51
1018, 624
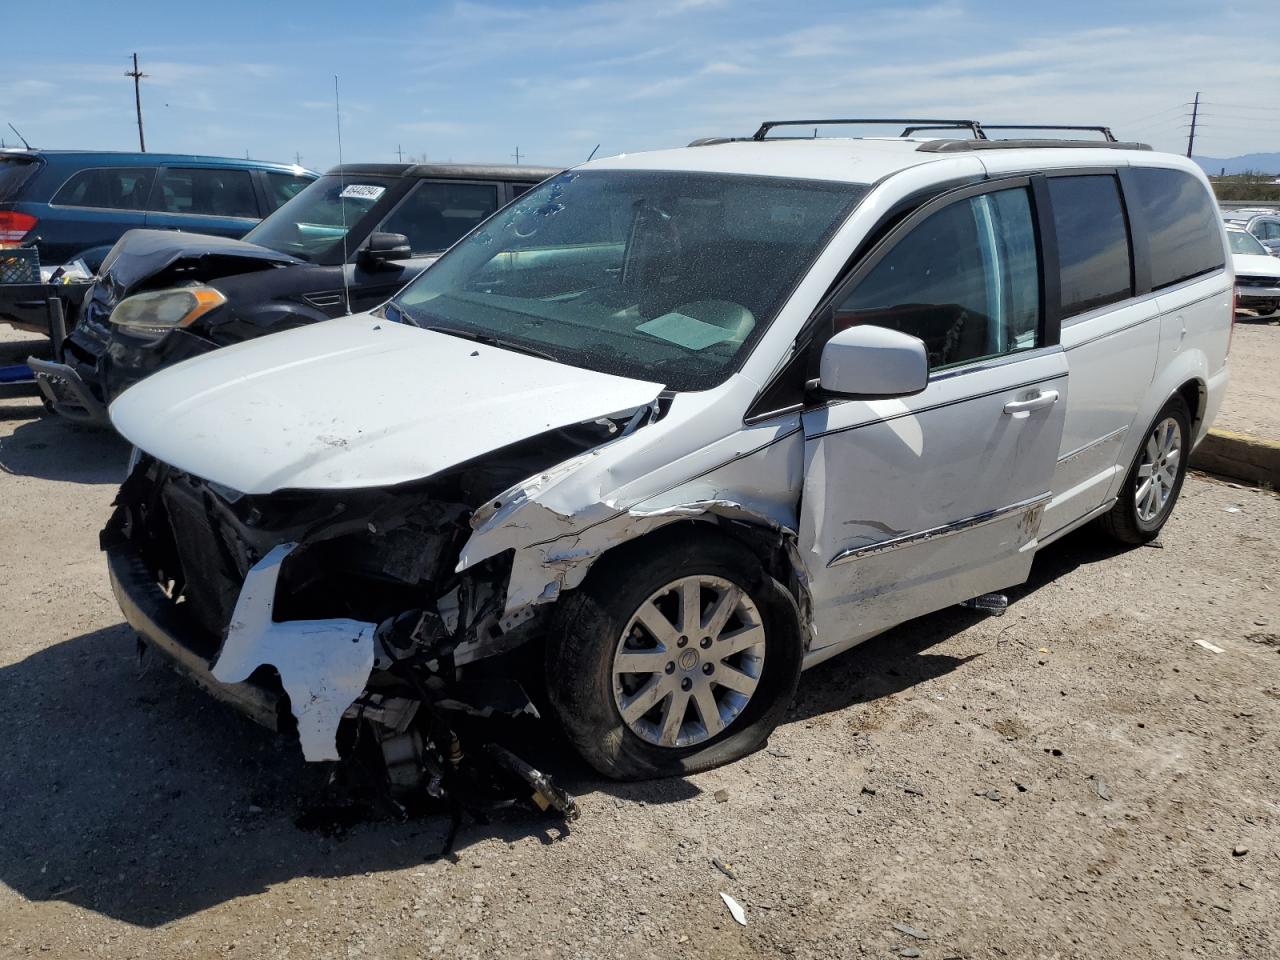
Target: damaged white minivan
670, 428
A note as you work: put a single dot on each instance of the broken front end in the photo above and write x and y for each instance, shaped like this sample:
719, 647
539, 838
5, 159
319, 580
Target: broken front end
339, 615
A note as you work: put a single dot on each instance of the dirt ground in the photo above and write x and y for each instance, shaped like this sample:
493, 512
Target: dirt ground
1080, 778
1253, 396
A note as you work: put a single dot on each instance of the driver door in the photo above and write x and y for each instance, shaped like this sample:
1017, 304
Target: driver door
912, 504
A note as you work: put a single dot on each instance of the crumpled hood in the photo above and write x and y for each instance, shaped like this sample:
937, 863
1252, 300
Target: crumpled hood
143, 253
355, 402
1251, 265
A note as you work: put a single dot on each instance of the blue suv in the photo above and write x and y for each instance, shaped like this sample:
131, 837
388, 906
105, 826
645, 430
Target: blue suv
72, 203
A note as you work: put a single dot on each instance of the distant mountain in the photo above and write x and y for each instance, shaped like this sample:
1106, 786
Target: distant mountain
1249, 163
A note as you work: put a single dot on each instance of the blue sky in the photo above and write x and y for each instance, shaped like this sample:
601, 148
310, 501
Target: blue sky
476, 80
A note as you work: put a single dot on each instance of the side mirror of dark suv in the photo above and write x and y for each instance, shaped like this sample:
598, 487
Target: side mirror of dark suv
383, 248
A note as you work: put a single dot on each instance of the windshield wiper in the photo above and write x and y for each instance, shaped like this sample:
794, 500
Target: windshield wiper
488, 340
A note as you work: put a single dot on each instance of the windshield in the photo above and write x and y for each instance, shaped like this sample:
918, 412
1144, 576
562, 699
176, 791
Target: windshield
666, 276
311, 225
1242, 242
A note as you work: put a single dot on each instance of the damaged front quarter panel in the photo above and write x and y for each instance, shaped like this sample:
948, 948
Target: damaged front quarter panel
559, 522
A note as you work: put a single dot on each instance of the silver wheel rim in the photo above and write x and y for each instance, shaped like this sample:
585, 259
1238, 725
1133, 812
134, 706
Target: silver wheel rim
689, 661
1158, 470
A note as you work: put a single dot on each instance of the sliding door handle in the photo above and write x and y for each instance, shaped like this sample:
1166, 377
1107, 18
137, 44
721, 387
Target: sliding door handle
1046, 398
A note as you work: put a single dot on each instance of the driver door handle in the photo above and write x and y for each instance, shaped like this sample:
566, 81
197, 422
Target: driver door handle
1046, 398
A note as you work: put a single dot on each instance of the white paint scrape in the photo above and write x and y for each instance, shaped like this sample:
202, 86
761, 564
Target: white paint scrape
323, 664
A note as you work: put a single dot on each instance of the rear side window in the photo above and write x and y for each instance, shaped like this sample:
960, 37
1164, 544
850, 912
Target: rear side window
1093, 242
435, 215
966, 281
1185, 236
283, 187
207, 192
111, 188
14, 172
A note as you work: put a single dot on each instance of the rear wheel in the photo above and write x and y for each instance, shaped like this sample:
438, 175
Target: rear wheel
1151, 488
678, 656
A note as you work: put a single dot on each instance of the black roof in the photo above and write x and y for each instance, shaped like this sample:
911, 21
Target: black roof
448, 171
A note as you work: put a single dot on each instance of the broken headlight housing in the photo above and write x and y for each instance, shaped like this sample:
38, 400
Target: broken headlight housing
150, 316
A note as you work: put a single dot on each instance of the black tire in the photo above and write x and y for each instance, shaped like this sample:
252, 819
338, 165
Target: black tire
589, 623
1123, 522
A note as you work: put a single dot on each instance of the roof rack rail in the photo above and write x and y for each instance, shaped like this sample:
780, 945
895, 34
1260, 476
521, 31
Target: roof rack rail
966, 146
1107, 135
911, 124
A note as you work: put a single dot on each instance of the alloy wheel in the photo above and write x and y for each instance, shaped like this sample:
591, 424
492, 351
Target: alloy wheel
1158, 471
689, 661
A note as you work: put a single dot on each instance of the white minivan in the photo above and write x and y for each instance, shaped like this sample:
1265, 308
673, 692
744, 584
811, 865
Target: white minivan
672, 427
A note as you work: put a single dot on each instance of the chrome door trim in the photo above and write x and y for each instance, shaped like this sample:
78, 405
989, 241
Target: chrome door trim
1091, 444
945, 530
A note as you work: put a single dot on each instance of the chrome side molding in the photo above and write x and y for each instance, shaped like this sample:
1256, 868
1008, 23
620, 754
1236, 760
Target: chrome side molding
945, 530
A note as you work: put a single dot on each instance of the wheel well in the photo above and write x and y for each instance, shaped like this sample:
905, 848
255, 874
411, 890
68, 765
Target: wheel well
766, 543
1192, 392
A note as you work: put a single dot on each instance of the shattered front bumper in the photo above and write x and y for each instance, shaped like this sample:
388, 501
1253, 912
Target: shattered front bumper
165, 631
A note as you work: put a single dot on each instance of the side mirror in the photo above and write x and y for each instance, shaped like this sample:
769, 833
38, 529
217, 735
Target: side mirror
869, 361
384, 247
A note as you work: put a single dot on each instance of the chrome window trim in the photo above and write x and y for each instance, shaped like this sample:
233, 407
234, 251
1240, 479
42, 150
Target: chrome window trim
1134, 301
944, 530
979, 364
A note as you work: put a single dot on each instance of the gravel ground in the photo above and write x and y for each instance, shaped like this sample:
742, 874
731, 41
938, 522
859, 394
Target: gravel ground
1080, 778
1252, 404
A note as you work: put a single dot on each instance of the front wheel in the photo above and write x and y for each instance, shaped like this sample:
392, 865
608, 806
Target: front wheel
1151, 488
677, 656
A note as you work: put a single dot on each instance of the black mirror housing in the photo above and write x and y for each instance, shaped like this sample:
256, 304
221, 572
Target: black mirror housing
385, 247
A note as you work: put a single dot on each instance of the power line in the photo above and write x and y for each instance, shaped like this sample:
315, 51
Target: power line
1138, 120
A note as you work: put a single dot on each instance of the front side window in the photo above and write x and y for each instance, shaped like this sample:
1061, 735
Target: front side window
966, 281
668, 276
436, 214
1185, 233
1268, 229
110, 188
207, 192
1093, 242
313, 224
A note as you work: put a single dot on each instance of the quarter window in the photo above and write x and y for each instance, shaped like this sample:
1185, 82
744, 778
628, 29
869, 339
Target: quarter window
207, 192
435, 215
1093, 242
1185, 234
110, 188
966, 281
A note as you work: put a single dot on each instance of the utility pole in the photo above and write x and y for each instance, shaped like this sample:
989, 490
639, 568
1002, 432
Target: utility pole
1195, 110
399, 153
137, 99
517, 155
297, 158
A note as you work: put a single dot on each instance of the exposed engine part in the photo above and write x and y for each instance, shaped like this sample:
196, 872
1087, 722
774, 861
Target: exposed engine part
546, 795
